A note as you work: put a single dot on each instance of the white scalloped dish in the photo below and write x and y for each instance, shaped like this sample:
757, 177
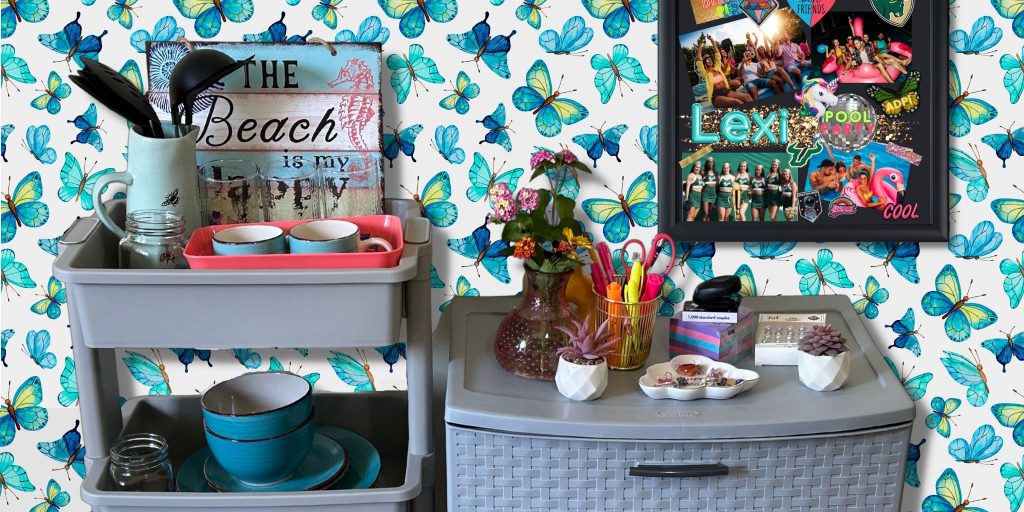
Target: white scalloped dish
664, 380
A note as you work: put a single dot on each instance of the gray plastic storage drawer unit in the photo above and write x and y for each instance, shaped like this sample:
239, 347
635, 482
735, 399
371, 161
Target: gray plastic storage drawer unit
515, 444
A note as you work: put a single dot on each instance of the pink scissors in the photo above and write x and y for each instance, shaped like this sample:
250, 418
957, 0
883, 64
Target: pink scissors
648, 257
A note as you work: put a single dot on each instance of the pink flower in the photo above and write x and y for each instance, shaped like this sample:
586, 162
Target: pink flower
528, 199
540, 156
568, 156
505, 208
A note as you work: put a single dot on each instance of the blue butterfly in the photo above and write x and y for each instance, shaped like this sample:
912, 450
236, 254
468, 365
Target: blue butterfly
31, 11
963, 111
70, 43
77, 184
617, 14
5, 337
873, 295
1011, 211
122, 12
1013, 80
482, 179
37, 348
435, 280
616, 69
597, 144
906, 333
565, 182
148, 373
390, 353
277, 32
479, 43
575, 36
1013, 489
371, 30
1006, 144
327, 12
917, 386
769, 250
698, 256
462, 92
462, 289
983, 242
352, 371
550, 110
210, 14
248, 357
479, 248
276, 366
984, 35
971, 170
984, 445
68, 384
166, 29
670, 298
404, 141
497, 128
187, 355
36, 140
54, 499
22, 410
648, 142
968, 373
23, 207
910, 476
7, 130
433, 200
411, 69
55, 91
947, 497
638, 207
901, 255
68, 450
1013, 284
948, 302
1005, 349
56, 296
941, 417
445, 142
822, 271
414, 14
50, 245
14, 273
15, 69
89, 128
1012, 10
13, 476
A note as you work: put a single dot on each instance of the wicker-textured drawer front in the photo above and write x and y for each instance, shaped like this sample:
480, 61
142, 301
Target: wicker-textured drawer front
858, 472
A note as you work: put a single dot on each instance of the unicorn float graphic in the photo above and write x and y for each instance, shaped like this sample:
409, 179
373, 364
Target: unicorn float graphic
816, 95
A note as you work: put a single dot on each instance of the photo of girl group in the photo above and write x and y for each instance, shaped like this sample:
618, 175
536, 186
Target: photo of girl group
871, 178
740, 62
860, 47
740, 187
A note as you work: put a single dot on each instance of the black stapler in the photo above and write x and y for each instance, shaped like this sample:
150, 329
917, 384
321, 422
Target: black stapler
718, 294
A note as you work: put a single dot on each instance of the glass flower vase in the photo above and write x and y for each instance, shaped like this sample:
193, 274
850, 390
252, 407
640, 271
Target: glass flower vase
528, 337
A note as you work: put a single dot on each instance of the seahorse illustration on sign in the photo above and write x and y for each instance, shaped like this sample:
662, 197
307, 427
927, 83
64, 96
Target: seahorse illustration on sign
356, 112
356, 73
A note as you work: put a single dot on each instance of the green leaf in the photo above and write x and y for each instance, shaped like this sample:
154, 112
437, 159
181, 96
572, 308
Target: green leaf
564, 207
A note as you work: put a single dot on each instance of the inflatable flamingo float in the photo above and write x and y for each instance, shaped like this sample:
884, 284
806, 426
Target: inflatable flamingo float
886, 184
866, 72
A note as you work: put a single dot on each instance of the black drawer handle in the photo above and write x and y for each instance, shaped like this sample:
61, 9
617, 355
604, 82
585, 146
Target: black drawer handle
679, 470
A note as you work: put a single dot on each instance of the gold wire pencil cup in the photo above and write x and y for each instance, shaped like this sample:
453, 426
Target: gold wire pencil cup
632, 323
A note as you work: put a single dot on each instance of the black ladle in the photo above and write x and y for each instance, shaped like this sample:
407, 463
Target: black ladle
118, 94
195, 73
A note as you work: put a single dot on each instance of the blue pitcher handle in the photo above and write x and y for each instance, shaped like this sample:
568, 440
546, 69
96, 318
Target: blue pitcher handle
101, 208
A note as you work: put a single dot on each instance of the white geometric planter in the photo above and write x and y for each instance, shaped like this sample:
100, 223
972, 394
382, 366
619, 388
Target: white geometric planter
823, 373
581, 381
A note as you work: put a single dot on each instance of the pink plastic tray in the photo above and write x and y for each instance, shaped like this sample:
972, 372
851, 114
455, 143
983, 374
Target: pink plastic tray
199, 251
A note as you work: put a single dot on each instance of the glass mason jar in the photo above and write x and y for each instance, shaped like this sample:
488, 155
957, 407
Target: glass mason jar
528, 337
139, 462
154, 239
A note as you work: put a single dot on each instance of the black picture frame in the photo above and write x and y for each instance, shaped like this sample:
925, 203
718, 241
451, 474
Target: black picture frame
930, 29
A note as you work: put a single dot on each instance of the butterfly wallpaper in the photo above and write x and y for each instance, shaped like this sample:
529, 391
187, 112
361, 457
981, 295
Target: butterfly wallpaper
466, 96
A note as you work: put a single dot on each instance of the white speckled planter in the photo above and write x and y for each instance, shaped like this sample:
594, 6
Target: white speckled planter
823, 373
581, 381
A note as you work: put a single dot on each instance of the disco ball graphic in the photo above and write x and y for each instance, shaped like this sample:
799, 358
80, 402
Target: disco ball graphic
850, 124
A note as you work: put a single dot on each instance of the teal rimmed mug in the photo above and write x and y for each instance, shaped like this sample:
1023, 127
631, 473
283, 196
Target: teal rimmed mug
248, 240
330, 236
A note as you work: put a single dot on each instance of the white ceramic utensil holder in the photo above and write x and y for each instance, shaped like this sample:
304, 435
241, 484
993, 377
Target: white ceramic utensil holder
823, 373
581, 381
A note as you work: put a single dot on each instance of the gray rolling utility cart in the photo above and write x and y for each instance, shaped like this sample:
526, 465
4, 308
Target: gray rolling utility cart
518, 445
112, 309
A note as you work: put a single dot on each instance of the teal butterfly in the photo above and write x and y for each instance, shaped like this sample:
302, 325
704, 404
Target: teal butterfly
493, 255
1006, 348
89, 128
1013, 488
78, 185
401, 140
769, 250
23, 207
68, 384
123, 12
497, 128
910, 475
352, 371
55, 91
981, 449
531, 12
22, 410
917, 386
148, 373
948, 302
54, 499
311, 378
941, 417
479, 43
5, 337
410, 69
462, 289
482, 179
56, 296
166, 29
14, 273
616, 68
1013, 284
433, 200
1013, 80
698, 256
435, 280
617, 14
968, 373
49, 245
209, 14
970, 169
906, 333
1007, 143
247, 357
15, 11
671, 297
983, 242
130, 70
1012, 10
463, 91
414, 14
871, 297
550, 110
15, 69
13, 476
370, 31
1012, 416
638, 207
68, 450
37, 348
70, 43
822, 271
947, 497
748, 285
446, 139
902, 256
37, 140
601, 142
277, 32
327, 12
652, 102
391, 353
1011, 211
647, 142
575, 36
5, 132
964, 111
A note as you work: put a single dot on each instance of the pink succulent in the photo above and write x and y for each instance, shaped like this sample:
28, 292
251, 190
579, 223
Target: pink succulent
586, 345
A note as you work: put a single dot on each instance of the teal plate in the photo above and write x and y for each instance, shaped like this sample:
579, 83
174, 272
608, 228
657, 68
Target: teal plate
324, 464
